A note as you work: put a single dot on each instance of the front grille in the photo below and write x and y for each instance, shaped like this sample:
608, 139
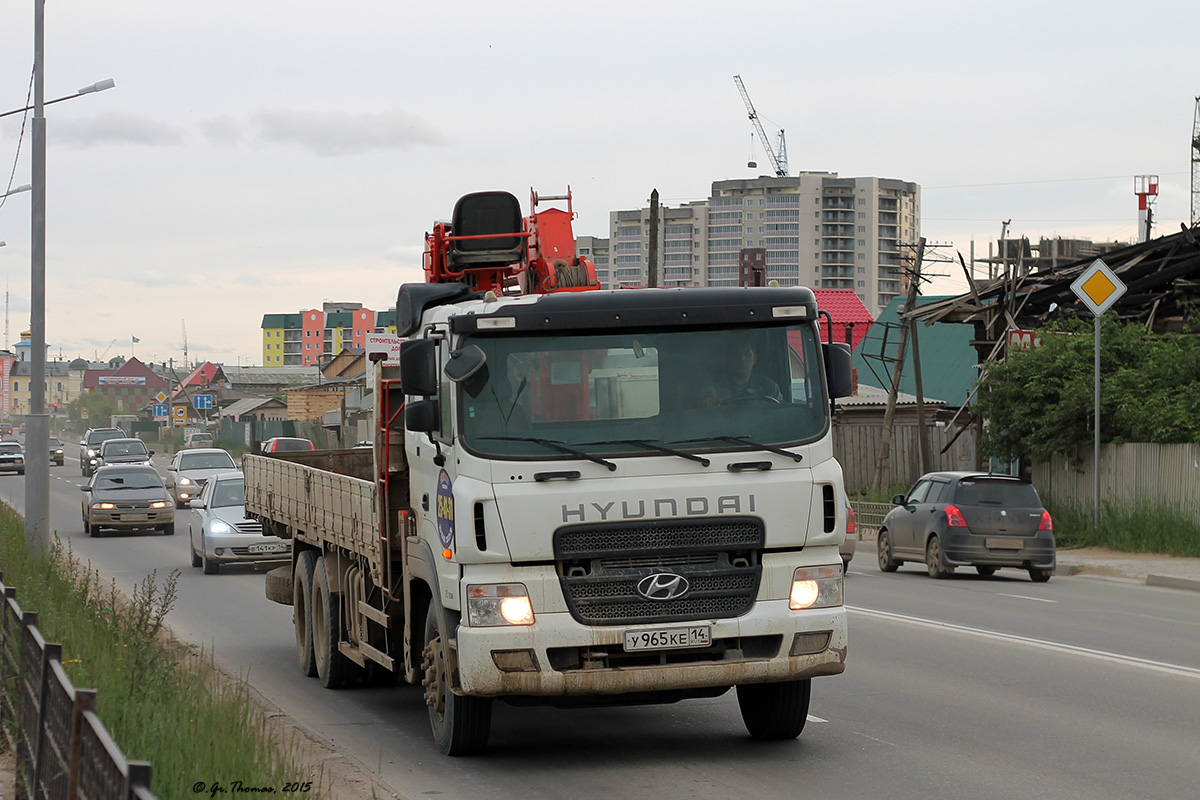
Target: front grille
600, 567
250, 526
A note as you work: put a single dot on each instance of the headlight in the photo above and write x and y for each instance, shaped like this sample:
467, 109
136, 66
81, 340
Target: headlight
185, 481
498, 604
219, 527
91, 452
103, 506
159, 504
816, 587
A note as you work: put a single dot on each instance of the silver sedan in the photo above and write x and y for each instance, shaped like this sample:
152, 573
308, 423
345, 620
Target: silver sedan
220, 533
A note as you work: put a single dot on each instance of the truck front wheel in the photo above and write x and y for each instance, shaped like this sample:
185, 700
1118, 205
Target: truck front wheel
461, 724
302, 612
333, 668
775, 710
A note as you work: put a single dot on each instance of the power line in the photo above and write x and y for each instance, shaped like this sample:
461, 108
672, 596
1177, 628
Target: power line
1029, 183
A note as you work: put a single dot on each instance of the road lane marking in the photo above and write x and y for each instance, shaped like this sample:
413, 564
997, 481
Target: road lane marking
812, 718
1087, 652
1026, 597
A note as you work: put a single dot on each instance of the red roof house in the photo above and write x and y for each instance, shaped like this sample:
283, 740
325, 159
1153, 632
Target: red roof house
851, 319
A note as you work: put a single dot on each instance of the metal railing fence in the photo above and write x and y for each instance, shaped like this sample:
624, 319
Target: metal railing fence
63, 750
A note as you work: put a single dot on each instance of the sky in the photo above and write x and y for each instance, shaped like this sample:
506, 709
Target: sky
267, 156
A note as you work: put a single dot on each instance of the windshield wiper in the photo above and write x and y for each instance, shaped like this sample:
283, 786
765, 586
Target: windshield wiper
651, 444
562, 447
743, 440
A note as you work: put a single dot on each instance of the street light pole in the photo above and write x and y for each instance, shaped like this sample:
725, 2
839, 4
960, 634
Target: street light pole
37, 434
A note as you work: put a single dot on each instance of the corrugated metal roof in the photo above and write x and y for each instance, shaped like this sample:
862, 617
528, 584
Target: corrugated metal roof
948, 361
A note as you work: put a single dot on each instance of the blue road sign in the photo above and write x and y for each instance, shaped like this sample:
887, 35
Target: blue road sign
202, 402
161, 411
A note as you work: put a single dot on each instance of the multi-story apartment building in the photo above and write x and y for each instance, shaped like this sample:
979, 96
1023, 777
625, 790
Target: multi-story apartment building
817, 229
310, 337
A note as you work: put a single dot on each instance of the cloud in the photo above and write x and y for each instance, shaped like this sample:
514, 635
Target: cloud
222, 130
115, 127
333, 134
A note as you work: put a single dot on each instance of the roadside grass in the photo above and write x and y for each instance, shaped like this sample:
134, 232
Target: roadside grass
162, 702
1139, 528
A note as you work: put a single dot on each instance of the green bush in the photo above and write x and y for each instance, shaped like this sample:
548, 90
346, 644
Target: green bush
1141, 528
160, 701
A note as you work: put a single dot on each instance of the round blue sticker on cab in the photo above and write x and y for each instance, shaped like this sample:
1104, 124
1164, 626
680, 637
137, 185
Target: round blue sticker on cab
445, 510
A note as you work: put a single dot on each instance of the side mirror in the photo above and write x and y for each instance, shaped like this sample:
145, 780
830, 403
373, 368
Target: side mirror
838, 372
418, 367
195, 503
151, 452
898, 500
85, 488
464, 363
422, 416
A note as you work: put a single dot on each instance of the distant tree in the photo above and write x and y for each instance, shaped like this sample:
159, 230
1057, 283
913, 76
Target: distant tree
1040, 401
100, 410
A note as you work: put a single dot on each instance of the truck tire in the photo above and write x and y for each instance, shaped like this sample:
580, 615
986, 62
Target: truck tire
302, 611
333, 668
775, 710
461, 725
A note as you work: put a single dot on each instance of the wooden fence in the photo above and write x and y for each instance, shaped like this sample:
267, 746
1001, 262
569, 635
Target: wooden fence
1130, 474
856, 446
63, 749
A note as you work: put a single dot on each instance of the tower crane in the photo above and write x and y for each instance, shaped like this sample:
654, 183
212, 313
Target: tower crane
1196, 167
778, 154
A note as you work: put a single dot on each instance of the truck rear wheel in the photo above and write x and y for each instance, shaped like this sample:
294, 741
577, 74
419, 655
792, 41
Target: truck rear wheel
460, 724
333, 668
302, 612
775, 710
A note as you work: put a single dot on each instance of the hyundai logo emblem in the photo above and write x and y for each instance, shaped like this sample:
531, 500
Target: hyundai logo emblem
663, 586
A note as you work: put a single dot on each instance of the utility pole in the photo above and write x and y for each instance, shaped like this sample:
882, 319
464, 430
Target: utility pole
37, 442
889, 416
652, 267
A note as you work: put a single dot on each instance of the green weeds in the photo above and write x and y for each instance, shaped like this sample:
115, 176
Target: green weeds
1141, 528
161, 701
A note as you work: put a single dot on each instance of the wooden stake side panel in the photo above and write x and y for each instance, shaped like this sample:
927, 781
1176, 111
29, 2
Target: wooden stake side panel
315, 506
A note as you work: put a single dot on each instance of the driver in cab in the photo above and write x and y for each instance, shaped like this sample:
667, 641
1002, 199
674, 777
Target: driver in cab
736, 381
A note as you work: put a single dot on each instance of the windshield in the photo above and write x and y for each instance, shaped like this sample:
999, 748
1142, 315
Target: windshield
128, 480
616, 392
229, 493
125, 449
206, 461
100, 436
10, 448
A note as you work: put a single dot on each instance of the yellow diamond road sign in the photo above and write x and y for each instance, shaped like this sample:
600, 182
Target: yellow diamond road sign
1098, 287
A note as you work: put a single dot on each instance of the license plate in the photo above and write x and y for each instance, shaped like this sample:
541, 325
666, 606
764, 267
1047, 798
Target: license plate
668, 638
267, 548
134, 517
1004, 544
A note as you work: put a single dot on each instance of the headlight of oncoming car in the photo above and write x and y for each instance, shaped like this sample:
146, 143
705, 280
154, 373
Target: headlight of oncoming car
219, 527
185, 481
159, 504
498, 604
816, 587
103, 506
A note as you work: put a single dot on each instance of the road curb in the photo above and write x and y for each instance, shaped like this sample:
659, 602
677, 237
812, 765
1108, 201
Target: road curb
1172, 582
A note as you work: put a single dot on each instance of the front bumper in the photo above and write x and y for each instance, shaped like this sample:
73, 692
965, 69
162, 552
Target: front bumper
126, 519
233, 548
12, 466
558, 655
967, 549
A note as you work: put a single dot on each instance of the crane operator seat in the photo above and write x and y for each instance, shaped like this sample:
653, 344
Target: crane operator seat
491, 214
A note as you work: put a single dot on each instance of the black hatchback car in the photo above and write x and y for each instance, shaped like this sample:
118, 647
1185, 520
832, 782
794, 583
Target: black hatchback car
955, 519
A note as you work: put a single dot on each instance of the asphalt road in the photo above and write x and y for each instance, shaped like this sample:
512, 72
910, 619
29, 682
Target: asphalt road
970, 687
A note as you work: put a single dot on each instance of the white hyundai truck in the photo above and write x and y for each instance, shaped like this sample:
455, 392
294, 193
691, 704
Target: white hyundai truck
575, 496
